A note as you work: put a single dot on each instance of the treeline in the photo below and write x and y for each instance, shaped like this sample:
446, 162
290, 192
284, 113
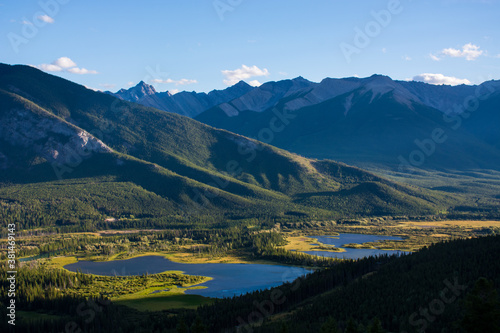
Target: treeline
212, 243
447, 287
78, 300
267, 245
255, 306
78, 211
424, 291
36, 285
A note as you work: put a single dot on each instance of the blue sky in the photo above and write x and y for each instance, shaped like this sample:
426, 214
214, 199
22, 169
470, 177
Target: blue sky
209, 44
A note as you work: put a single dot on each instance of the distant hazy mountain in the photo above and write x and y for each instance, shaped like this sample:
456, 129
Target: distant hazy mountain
184, 103
299, 93
372, 121
483, 122
121, 156
449, 99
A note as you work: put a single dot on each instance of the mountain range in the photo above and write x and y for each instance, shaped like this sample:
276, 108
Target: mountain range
374, 122
62, 145
184, 103
301, 92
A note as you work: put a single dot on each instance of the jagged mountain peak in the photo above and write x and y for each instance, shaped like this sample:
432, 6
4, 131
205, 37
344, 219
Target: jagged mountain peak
135, 93
301, 79
241, 84
142, 86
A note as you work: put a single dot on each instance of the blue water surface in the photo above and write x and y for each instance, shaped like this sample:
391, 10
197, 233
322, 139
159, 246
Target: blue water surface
232, 279
350, 253
228, 279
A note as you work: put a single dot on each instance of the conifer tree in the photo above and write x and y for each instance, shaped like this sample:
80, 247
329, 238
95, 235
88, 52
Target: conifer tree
482, 308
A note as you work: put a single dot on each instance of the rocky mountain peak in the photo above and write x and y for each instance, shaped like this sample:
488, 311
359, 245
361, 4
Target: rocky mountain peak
134, 94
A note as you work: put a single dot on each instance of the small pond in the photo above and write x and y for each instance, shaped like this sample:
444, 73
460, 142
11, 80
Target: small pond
351, 253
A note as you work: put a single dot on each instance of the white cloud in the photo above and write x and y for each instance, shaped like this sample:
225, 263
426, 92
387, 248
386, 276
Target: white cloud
255, 83
245, 72
130, 83
469, 52
49, 68
64, 64
433, 57
26, 22
173, 91
46, 18
440, 79
181, 82
162, 81
384, 50
81, 71
407, 58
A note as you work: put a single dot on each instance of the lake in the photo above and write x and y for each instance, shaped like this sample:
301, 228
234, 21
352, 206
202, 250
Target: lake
350, 253
228, 279
232, 279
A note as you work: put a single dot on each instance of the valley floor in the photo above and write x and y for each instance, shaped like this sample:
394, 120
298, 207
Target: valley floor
109, 245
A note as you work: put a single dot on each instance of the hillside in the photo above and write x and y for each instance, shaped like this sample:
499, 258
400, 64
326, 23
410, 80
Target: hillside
82, 134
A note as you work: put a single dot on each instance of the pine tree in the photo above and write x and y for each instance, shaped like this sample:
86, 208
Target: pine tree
284, 328
198, 326
330, 326
482, 308
352, 327
181, 326
376, 326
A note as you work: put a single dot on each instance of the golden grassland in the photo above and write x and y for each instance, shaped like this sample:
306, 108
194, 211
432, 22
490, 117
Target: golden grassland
180, 257
415, 235
185, 255
454, 223
302, 243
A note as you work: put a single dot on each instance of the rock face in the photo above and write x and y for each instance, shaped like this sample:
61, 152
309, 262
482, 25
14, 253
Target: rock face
134, 94
48, 136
